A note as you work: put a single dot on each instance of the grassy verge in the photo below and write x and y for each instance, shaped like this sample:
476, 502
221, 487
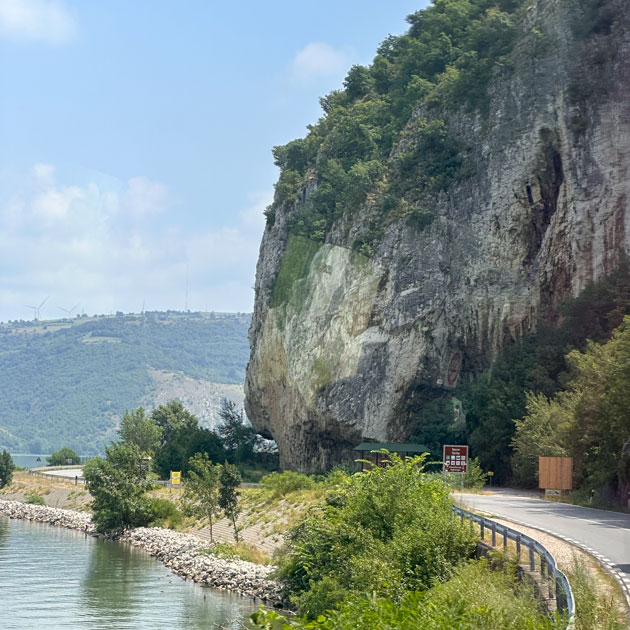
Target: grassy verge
238, 551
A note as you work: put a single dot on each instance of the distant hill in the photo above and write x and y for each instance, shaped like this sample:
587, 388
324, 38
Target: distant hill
68, 381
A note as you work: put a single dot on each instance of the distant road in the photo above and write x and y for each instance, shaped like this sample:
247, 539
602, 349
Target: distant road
607, 533
66, 472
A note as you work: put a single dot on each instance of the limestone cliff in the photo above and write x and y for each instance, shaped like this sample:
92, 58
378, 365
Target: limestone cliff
344, 338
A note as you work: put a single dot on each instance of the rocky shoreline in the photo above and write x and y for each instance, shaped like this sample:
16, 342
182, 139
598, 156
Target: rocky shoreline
182, 553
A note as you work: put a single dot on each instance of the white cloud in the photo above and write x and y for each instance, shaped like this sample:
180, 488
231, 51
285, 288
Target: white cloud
318, 60
144, 197
36, 20
98, 244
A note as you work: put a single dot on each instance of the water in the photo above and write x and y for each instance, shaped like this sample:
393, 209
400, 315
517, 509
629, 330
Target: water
34, 461
29, 461
51, 577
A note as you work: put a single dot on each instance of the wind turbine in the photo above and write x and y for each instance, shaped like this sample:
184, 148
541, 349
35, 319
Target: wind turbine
36, 309
69, 312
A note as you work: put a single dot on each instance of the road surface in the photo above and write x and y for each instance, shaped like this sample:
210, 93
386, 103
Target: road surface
607, 533
66, 472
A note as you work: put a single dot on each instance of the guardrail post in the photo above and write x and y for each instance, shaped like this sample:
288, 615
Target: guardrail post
561, 597
559, 587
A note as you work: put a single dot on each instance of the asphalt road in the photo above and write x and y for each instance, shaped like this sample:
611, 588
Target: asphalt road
607, 533
66, 472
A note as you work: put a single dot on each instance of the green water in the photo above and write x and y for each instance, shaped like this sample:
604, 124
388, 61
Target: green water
51, 577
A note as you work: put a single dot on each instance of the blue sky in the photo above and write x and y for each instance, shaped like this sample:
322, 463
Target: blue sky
136, 136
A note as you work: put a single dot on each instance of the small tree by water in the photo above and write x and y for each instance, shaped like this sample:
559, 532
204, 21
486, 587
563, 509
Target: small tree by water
201, 490
228, 495
6, 469
118, 484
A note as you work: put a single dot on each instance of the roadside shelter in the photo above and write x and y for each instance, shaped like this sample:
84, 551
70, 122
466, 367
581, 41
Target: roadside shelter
378, 459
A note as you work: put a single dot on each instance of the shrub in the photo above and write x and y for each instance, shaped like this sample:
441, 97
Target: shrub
63, 457
385, 531
286, 482
163, 513
241, 551
477, 598
33, 498
6, 469
592, 612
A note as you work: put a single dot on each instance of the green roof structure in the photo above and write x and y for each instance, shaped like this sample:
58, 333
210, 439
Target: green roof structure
391, 447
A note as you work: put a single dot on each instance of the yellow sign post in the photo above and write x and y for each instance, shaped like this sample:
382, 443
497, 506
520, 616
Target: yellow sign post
176, 478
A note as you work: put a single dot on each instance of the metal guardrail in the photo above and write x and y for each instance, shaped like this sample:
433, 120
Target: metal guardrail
556, 580
39, 472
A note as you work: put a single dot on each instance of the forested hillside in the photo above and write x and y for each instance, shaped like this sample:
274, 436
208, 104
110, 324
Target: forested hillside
66, 382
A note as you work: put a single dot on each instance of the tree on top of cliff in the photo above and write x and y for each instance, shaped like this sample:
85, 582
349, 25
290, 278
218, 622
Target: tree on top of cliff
371, 142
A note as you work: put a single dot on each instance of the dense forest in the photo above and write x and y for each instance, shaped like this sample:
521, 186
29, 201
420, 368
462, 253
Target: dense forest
527, 404
64, 382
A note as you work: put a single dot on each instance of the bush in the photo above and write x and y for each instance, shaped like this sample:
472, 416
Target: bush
33, 498
240, 550
477, 598
474, 479
592, 612
118, 483
6, 469
163, 513
63, 457
385, 531
286, 482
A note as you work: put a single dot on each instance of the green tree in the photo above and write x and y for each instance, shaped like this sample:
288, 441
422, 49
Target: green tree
230, 480
136, 428
201, 489
539, 434
6, 469
118, 484
238, 438
62, 457
172, 418
383, 532
182, 437
589, 421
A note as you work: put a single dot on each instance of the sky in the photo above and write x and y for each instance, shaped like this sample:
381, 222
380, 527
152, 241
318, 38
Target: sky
136, 137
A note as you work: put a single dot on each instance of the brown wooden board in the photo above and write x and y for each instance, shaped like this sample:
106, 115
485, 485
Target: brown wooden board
555, 473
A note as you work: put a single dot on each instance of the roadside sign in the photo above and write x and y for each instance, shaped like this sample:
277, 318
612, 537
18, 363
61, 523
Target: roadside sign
455, 458
176, 478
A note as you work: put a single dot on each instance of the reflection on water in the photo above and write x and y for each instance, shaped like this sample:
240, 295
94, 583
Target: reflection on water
56, 578
4, 533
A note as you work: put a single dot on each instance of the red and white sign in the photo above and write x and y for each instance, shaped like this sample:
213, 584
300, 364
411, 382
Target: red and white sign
455, 458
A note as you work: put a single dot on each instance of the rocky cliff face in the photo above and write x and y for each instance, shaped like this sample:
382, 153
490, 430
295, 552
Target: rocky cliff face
358, 340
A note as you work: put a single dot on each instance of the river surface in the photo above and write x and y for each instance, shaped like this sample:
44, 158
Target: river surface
51, 577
